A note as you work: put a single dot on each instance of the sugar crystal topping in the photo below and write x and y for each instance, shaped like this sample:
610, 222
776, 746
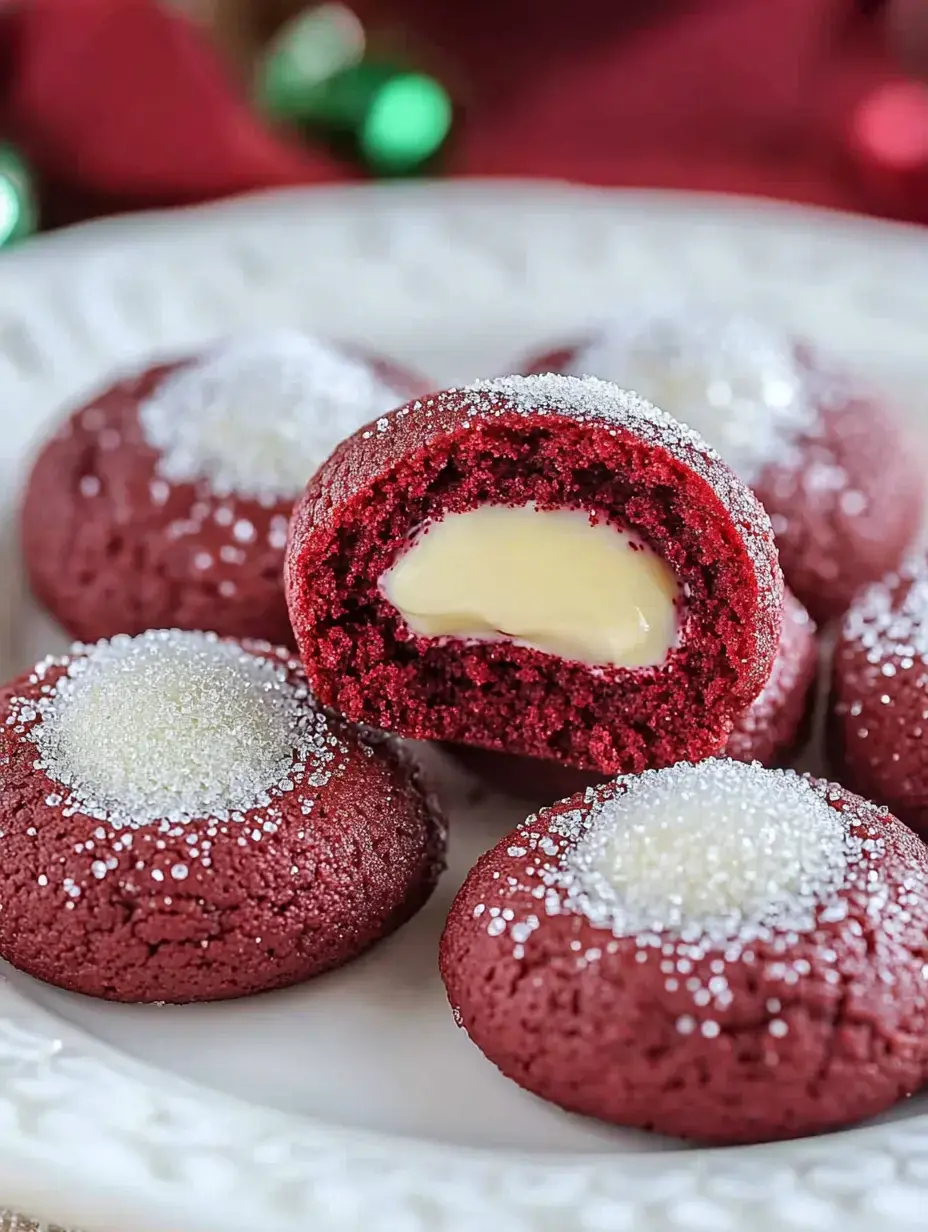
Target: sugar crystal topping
892, 629
257, 415
173, 726
732, 378
697, 870
587, 399
594, 401
722, 850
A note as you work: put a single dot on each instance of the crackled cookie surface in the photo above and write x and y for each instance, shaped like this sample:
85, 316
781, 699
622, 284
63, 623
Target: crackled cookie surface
179, 821
542, 565
828, 460
166, 499
775, 726
879, 705
718, 952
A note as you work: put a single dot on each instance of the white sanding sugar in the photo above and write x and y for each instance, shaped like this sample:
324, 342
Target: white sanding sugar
891, 630
174, 726
735, 380
586, 399
590, 400
257, 415
721, 851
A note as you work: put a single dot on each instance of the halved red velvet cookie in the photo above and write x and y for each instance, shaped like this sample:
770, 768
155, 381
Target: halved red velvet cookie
772, 730
878, 725
179, 821
165, 499
827, 457
539, 565
717, 952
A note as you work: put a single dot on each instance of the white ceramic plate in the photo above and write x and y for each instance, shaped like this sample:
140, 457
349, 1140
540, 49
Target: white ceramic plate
353, 1103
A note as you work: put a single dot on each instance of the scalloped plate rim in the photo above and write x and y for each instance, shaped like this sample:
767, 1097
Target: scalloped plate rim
160, 227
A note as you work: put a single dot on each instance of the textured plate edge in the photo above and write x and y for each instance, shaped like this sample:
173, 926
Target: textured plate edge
756, 212
337, 1192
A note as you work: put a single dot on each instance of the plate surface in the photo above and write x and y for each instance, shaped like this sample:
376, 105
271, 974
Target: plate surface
353, 1104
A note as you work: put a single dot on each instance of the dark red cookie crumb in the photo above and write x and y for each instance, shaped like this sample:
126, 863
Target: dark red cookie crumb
772, 730
560, 443
135, 518
265, 866
721, 953
828, 459
878, 721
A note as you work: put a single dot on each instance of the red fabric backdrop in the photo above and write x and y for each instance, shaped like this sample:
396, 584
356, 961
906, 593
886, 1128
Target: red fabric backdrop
122, 103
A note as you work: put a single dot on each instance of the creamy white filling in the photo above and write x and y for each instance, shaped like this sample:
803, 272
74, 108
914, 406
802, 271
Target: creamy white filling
549, 579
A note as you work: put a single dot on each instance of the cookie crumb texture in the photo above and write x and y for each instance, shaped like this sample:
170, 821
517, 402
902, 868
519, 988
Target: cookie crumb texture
828, 459
721, 953
557, 442
165, 501
878, 717
179, 821
772, 730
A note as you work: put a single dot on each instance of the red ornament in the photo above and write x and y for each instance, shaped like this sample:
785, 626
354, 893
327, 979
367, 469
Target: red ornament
889, 142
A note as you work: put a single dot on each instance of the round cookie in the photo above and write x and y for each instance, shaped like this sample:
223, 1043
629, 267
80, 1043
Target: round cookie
878, 717
166, 499
829, 460
771, 731
179, 821
538, 565
718, 952
776, 724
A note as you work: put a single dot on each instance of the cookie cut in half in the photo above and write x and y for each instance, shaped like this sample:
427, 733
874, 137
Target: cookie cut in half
539, 565
179, 821
773, 729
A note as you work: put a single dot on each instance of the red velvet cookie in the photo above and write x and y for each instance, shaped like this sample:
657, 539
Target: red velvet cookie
772, 729
179, 821
878, 721
165, 500
776, 724
828, 459
538, 565
717, 952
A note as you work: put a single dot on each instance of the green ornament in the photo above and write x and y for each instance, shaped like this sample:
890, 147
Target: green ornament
407, 121
308, 50
18, 210
396, 119
315, 74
